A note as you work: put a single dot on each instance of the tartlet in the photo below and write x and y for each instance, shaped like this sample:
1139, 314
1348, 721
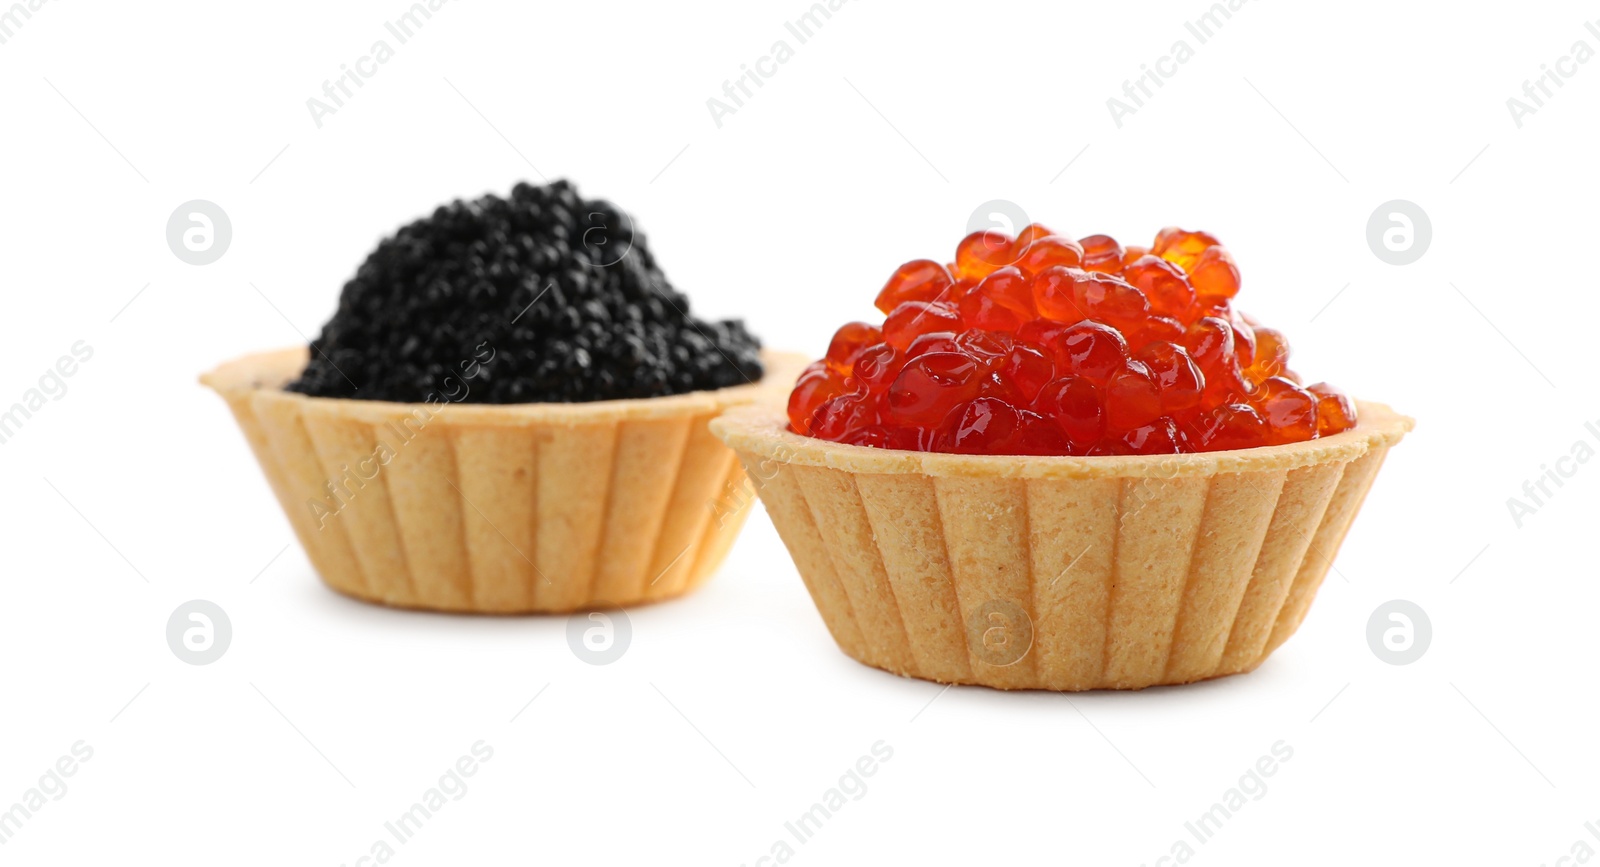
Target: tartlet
1062, 464
517, 508
1061, 573
506, 413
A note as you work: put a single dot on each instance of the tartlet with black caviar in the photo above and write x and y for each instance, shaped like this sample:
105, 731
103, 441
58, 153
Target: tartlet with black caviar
507, 413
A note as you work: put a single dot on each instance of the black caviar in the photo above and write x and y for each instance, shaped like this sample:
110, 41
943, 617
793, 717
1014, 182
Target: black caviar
542, 297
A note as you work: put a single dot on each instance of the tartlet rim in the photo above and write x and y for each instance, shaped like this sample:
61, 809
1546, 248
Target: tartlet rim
764, 431
261, 376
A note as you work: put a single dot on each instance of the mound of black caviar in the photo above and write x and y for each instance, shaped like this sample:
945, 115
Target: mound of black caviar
542, 297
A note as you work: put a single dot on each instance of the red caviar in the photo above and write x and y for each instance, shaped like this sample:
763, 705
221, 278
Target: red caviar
1045, 345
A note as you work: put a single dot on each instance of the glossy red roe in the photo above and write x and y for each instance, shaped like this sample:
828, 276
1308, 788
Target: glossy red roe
835, 417
1271, 354
982, 426
847, 344
1289, 410
1054, 294
930, 386
1132, 397
1215, 276
921, 280
1030, 233
1029, 370
1002, 301
817, 384
988, 348
1101, 253
1336, 413
1078, 408
1161, 436
933, 341
919, 317
1073, 294
1045, 345
1109, 299
1164, 285
1158, 329
876, 367
1176, 375
1048, 252
1182, 247
1210, 343
1244, 342
1092, 350
980, 253
1232, 426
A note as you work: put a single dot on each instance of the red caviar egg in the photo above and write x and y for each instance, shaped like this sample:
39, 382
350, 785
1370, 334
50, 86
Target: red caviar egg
1001, 302
1215, 276
1232, 426
1176, 375
1101, 253
1109, 299
876, 367
847, 344
1078, 407
1164, 285
1336, 413
1159, 437
1132, 397
989, 348
930, 386
1182, 247
1289, 410
980, 253
933, 341
1029, 370
835, 417
1271, 355
1048, 252
921, 280
1030, 233
817, 384
919, 317
1093, 350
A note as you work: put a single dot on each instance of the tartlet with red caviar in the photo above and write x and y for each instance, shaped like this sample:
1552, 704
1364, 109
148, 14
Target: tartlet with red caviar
1062, 464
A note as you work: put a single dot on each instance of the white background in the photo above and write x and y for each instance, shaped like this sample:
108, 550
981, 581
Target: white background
732, 712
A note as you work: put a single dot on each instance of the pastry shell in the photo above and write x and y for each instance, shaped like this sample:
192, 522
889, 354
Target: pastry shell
498, 508
1061, 573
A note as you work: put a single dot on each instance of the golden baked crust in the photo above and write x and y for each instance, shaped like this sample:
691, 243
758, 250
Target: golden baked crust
1061, 573
497, 508
763, 429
